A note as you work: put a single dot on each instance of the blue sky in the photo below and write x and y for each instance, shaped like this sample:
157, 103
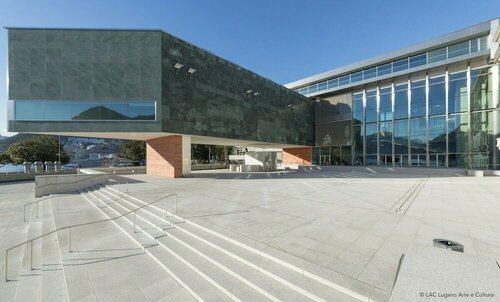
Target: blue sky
281, 40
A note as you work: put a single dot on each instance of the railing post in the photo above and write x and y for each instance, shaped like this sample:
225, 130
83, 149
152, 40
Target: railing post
6, 265
57, 203
166, 212
31, 256
175, 203
127, 186
134, 223
69, 240
24, 213
36, 209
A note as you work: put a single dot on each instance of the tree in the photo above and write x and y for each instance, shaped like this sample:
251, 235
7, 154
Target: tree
4, 158
42, 148
135, 150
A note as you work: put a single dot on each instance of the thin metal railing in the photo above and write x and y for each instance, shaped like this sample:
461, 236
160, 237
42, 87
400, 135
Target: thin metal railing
37, 202
70, 227
397, 271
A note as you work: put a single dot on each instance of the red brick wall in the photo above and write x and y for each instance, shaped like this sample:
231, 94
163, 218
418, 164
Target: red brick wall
164, 156
301, 156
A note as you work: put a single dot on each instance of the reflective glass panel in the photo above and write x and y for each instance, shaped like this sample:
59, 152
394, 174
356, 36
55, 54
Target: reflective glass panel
343, 80
28, 110
369, 73
418, 139
458, 49
481, 89
312, 88
57, 111
333, 83
358, 136
418, 60
437, 134
144, 111
457, 133
401, 101
483, 139
357, 108
371, 106
357, 76
371, 138
457, 92
400, 65
474, 45
417, 98
322, 86
384, 69
483, 43
385, 107
437, 55
385, 138
437, 96
401, 137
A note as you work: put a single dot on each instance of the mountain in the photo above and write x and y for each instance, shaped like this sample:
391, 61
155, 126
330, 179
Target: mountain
5, 142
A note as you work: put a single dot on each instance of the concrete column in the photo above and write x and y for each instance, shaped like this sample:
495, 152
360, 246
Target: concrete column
168, 156
27, 167
301, 156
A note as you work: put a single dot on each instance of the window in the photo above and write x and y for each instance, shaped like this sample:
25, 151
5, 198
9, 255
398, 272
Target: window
458, 49
357, 76
457, 92
400, 65
369, 73
333, 83
418, 137
371, 106
481, 89
322, 86
385, 108
457, 133
437, 96
437, 55
418, 99
312, 88
371, 138
385, 138
418, 60
85, 110
357, 108
358, 138
401, 101
401, 137
344, 80
437, 134
384, 69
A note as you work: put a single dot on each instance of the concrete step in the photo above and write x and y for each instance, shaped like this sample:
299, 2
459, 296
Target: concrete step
29, 287
200, 283
53, 278
280, 272
218, 272
198, 287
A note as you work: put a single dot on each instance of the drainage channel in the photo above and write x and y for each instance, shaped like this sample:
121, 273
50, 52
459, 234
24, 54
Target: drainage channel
410, 196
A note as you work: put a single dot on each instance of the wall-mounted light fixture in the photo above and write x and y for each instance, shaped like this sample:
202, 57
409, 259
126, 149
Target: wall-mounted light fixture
192, 70
249, 91
178, 66
256, 93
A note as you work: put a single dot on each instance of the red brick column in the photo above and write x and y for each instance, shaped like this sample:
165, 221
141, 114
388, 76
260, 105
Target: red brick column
164, 156
301, 156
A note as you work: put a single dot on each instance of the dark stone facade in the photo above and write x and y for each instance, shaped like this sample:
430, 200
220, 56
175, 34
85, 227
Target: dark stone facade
137, 65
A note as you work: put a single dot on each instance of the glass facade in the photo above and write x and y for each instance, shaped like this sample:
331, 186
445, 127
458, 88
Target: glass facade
448, 120
84, 110
430, 57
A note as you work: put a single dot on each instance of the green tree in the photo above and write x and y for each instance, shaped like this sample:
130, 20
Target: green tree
4, 158
134, 150
42, 148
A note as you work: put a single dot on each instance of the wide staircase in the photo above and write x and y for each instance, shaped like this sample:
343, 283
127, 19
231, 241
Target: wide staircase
203, 262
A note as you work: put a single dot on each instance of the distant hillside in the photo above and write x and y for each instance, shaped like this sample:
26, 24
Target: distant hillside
5, 142
3, 137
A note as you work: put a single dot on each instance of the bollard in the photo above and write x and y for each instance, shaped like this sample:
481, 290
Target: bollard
69, 240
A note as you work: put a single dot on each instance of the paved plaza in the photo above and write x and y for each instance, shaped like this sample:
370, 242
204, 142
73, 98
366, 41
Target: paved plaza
346, 225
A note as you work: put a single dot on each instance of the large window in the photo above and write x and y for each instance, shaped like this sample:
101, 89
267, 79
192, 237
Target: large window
401, 142
457, 92
371, 106
371, 143
481, 89
385, 107
385, 138
418, 98
437, 96
357, 108
457, 140
418, 141
401, 101
437, 134
84, 110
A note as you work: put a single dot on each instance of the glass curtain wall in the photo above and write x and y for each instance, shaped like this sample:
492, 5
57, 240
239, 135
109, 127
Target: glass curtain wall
451, 120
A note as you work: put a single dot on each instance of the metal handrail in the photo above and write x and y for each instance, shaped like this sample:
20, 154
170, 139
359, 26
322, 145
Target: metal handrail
69, 227
37, 201
71, 182
397, 272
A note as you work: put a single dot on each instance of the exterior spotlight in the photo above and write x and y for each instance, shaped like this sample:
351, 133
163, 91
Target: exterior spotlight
192, 70
256, 93
249, 91
178, 66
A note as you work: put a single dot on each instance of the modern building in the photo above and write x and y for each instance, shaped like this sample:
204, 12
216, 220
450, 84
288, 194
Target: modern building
433, 104
147, 85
